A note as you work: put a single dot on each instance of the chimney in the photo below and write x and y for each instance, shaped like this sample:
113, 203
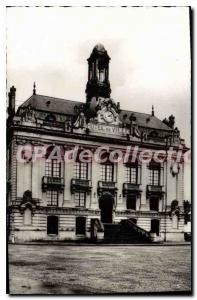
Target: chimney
12, 96
153, 112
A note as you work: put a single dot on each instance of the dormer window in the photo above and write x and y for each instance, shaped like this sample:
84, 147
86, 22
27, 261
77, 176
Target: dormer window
50, 118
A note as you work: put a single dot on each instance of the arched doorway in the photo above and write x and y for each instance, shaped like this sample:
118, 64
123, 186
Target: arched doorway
106, 203
155, 226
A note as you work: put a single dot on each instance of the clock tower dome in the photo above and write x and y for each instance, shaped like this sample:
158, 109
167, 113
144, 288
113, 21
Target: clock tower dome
98, 74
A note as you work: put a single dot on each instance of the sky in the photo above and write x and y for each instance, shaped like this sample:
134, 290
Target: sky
149, 49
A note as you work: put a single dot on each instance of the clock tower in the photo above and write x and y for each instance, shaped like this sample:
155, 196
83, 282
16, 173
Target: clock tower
98, 74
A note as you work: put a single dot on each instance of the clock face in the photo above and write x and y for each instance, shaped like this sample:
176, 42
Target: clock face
108, 116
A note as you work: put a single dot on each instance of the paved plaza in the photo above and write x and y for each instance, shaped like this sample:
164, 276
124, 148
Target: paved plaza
50, 269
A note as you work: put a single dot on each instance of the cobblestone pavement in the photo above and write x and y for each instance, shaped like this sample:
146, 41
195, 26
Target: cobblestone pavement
49, 269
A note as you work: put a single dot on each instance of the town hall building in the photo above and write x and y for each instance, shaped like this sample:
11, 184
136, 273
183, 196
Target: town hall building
119, 197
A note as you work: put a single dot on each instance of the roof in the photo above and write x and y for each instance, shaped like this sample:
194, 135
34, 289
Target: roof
51, 104
145, 120
100, 48
63, 106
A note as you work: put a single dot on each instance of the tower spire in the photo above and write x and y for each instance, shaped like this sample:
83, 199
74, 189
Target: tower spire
153, 112
34, 89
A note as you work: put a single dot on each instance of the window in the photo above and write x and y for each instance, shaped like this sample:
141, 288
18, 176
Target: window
132, 174
107, 172
80, 199
27, 216
154, 203
131, 202
101, 75
80, 225
53, 168
81, 170
52, 197
52, 225
50, 118
154, 175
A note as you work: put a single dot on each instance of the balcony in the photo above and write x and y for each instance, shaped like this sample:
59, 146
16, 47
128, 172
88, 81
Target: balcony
52, 182
131, 188
155, 189
109, 186
80, 185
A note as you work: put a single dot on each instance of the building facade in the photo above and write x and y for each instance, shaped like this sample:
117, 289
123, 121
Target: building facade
54, 194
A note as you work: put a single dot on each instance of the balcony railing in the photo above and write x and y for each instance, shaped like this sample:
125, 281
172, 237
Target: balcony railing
131, 187
110, 186
80, 185
155, 189
52, 182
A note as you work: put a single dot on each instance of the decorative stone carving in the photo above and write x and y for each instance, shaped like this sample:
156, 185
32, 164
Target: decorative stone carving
107, 111
28, 114
81, 121
175, 209
174, 169
27, 202
170, 121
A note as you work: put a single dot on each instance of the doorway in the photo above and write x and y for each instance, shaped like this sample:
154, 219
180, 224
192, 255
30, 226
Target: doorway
52, 225
106, 203
155, 226
80, 225
154, 203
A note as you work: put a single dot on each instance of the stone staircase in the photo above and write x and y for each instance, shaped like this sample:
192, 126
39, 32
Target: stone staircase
125, 232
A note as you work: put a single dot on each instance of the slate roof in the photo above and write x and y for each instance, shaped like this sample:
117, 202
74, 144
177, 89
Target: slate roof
51, 104
63, 106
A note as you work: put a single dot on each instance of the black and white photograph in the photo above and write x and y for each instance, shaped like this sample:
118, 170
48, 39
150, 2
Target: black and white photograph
98, 154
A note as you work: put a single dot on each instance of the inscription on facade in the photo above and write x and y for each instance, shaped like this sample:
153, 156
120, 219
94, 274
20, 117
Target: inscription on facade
108, 129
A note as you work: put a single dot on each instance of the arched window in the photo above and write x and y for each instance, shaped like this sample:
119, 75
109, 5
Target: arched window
50, 118
27, 216
101, 75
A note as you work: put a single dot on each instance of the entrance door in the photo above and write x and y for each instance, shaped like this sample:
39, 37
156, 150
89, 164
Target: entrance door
106, 206
155, 226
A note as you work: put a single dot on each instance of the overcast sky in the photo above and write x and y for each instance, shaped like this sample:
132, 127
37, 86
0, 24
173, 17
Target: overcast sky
149, 50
